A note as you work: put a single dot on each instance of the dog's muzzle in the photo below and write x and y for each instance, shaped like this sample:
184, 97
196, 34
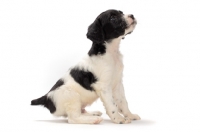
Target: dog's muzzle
130, 20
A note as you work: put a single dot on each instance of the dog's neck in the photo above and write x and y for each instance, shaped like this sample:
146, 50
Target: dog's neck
113, 46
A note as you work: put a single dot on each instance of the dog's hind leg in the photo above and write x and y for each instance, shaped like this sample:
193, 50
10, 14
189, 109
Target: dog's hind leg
92, 113
75, 116
84, 119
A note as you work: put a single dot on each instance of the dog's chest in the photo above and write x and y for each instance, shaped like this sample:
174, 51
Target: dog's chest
117, 61
115, 65
116, 68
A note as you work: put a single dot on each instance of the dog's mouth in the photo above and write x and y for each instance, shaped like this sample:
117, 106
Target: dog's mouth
134, 22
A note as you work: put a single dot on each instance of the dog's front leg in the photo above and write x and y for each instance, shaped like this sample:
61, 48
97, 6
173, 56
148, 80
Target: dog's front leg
120, 99
109, 104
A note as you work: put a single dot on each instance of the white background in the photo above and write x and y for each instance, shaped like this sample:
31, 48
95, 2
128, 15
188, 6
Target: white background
41, 39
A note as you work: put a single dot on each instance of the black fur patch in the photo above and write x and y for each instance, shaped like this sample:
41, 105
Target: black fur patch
97, 49
59, 83
107, 26
50, 105
46, 102
84, 78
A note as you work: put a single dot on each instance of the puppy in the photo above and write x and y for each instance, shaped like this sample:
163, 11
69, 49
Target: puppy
98, 75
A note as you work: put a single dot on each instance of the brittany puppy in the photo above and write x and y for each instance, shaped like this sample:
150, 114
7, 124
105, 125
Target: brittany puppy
98, 75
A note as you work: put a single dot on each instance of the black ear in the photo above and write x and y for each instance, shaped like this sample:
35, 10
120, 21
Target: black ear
95, 32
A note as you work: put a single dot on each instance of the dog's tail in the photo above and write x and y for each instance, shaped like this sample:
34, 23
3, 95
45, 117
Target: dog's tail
46, 102
40, 101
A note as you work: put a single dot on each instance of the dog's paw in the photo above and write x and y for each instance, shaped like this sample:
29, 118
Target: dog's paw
118, 119
85, 120
97, 120
133, 117
96, 113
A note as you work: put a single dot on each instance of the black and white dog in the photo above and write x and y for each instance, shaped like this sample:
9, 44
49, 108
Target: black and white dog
99, 74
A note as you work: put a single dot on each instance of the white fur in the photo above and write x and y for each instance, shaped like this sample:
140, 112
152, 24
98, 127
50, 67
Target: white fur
71, 99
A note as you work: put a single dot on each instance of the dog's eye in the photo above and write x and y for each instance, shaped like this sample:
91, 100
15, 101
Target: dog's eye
113, 18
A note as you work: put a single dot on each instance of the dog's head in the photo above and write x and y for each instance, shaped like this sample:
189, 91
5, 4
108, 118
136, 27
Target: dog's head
109, 25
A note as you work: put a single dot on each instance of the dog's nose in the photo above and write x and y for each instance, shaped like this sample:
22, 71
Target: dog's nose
131, 16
